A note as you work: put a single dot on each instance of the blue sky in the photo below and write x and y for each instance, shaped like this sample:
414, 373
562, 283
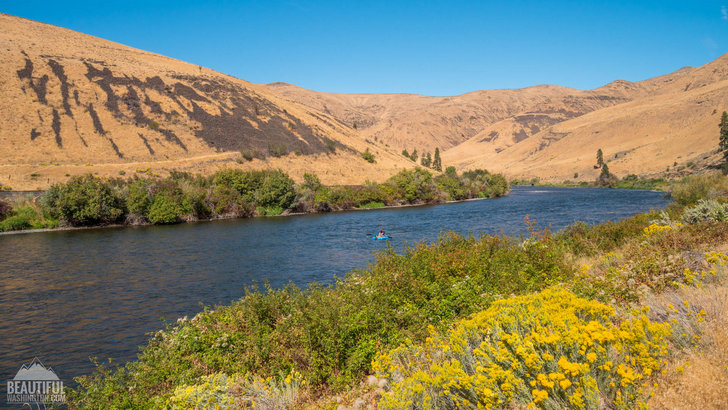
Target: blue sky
424, 47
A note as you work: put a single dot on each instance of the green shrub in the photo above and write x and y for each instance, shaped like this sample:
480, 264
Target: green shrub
368, 156
269, 211
452, 185
139, 196
87, 200
26, 216
15, 223
706, 210
276, 190
695, 187
413, 185
372, 205
165, 210
278, 150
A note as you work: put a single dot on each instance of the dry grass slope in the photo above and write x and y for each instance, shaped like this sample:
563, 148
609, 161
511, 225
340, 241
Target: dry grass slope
73, 103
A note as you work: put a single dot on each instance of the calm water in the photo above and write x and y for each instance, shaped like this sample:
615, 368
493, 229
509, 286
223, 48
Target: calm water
69, 295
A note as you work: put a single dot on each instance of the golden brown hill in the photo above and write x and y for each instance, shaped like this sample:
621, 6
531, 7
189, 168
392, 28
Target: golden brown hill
497, 117
73, 103
672, 121
548, 131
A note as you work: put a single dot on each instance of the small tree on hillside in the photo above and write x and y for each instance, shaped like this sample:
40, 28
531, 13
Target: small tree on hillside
437, 162
405, 153
600, 158
426, 160
413, 157
723, 143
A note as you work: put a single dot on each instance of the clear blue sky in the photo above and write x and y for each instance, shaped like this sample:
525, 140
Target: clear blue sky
425, 47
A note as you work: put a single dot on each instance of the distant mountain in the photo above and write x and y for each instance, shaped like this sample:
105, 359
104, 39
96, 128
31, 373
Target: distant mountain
548, 131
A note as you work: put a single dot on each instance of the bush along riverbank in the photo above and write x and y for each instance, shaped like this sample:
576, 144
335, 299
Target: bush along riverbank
231, 193
620, 315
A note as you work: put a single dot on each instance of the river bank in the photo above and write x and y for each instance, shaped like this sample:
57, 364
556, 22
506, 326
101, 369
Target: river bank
231, 193
332, 336
222, 218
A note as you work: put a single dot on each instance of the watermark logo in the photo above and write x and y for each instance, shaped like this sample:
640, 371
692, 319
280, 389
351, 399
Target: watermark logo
35, 383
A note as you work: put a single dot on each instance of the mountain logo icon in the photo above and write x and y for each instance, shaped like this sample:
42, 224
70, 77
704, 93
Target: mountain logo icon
35, 371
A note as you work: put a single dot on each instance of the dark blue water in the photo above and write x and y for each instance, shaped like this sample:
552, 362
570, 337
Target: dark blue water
69, 295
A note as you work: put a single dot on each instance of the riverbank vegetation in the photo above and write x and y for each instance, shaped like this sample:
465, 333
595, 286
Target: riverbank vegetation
231, 193
631, 181
605, 316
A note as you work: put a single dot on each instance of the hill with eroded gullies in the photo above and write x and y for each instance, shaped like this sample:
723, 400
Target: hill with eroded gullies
74, 104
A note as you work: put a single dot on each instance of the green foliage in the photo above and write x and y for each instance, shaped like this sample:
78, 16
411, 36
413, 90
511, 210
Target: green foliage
25, 215
633, 181
139, 196
414, 155
276, 190
87, 200
454, 186
368, 156
692, 188
250, 154
153, 125
600, 158
405, 153
437, 162
413, 185
426, 160
723, 141
706, 210
372, 205
165, 210
278, 150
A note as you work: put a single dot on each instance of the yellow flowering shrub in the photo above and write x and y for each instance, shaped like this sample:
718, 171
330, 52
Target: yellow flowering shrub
655, 228
220, 391
547, 350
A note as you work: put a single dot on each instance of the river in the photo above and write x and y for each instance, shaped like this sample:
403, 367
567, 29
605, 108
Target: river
66, 296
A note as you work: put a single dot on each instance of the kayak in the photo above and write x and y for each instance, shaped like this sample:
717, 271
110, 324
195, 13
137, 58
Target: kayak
376, 238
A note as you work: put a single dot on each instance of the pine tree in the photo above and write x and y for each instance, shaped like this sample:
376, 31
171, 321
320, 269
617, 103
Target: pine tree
414, 155
723, 144
600, 158
605, 172
405, 153
437, 163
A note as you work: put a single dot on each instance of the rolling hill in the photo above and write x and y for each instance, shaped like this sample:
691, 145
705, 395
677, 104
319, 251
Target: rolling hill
74, 104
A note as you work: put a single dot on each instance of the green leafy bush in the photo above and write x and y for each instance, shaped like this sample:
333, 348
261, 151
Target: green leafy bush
165, 210
276, 190
706, 210
87, 200
368, 156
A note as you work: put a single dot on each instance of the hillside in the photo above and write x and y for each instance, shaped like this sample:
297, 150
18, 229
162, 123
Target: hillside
670, 120
548, 131
73, 104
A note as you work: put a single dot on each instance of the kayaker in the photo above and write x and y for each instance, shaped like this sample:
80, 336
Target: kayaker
381, 233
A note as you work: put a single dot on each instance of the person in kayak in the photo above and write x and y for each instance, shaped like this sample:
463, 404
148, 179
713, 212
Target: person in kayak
381, 233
